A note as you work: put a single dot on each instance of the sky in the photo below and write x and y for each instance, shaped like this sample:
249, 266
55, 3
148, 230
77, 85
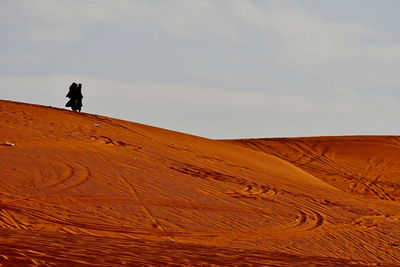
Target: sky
214, 68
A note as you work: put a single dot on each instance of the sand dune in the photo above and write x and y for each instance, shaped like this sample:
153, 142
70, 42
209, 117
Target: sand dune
86, 190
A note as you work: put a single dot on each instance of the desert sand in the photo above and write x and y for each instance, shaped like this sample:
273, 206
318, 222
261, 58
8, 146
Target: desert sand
79, 189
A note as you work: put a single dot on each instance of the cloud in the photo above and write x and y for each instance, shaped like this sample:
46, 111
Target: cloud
74, 11
183, 19
307, 39
214, 112
145, 92
50, 22
225, 68
299, 36
191, 20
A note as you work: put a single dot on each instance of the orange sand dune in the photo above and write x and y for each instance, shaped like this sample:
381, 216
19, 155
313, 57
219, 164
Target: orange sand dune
85, 190
365, 165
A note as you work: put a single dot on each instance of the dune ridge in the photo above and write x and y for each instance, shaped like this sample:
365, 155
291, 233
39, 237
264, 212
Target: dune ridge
89, 190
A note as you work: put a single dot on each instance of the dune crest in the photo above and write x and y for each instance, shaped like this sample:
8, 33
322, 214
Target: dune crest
76, 186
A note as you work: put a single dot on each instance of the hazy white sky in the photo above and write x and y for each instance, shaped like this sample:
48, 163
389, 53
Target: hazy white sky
214, 68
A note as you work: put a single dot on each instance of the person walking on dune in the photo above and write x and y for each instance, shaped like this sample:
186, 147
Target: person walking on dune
75, 97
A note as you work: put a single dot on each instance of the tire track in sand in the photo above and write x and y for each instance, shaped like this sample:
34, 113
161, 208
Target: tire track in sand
254, 191
146, 211
75, 175
307, 219
9, 221
334, 166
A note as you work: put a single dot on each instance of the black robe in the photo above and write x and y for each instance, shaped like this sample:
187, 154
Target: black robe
75, 95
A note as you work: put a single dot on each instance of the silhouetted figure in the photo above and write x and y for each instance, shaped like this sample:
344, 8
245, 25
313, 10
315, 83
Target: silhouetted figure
75, 97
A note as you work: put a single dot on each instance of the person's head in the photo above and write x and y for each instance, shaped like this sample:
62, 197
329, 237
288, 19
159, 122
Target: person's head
73, 86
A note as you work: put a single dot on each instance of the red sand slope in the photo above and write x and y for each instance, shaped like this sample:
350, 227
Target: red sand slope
80, 189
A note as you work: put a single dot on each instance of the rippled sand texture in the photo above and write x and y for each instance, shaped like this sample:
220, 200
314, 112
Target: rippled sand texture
85, 190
